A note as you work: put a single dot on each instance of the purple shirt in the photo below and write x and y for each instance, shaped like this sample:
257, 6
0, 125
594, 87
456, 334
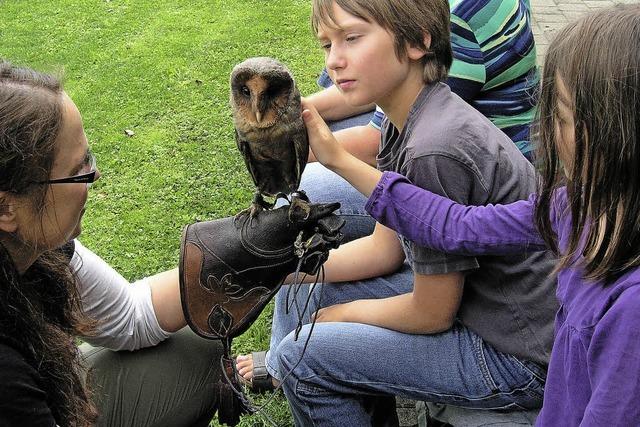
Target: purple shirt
594, 371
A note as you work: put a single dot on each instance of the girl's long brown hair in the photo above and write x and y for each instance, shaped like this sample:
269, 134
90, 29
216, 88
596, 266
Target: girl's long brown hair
598, 60
40, 310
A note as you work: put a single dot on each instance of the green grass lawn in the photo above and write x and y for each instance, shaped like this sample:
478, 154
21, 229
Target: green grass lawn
161, 70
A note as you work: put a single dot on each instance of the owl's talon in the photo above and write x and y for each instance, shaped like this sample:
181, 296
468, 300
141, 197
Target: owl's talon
240, 214
299, 209
255, 209
300, 194
258, 205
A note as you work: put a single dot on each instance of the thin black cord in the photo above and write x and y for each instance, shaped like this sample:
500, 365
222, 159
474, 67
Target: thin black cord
261, 409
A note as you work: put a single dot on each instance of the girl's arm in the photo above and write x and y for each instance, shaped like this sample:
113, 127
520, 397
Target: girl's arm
332, 105
424, 217
435, 221
332, 154
361, 141
375, 255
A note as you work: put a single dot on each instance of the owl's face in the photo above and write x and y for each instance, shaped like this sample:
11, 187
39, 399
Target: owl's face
260, 91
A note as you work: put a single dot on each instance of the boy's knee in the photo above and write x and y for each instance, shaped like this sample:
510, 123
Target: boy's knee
289, 352
318, 182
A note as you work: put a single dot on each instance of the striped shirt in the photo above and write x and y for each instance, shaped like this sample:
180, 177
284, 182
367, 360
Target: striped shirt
494, 67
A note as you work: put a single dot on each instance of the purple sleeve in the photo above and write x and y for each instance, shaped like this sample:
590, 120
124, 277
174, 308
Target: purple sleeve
613, 360
439, 223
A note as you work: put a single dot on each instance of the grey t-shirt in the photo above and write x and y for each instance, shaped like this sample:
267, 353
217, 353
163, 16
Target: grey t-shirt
449, 148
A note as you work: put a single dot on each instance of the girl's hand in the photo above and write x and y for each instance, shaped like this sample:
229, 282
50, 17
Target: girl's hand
326, 149
332, 154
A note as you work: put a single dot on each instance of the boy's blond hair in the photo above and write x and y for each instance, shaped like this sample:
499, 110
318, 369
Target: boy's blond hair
407, 20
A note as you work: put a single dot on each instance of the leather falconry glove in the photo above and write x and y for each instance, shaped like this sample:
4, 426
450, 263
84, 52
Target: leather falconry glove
230, 268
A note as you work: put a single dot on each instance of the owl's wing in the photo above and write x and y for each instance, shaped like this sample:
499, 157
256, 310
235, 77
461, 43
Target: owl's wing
301, 148
245, 150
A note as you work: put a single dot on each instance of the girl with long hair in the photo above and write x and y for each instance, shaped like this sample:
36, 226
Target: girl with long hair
586, 209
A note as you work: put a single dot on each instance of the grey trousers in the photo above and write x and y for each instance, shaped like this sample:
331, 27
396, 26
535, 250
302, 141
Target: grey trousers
171, 384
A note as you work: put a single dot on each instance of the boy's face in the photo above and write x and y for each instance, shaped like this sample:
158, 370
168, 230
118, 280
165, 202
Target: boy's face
361, 60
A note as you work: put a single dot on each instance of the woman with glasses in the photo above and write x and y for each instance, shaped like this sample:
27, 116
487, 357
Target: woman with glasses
53, 289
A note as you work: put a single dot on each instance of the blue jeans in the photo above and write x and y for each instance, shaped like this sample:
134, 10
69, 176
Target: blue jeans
349, 369
322, 186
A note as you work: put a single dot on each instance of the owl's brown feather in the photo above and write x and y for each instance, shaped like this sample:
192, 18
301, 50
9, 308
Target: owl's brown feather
270, 133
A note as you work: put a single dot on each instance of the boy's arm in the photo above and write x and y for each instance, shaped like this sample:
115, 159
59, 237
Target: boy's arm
370, 256
430, 308
332, 106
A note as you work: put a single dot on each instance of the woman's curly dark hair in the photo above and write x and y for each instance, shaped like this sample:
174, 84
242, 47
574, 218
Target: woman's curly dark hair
40, 309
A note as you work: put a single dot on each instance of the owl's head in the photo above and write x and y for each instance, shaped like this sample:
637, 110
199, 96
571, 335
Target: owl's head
261, 89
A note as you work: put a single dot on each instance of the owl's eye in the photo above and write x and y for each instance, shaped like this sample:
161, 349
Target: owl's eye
245, 91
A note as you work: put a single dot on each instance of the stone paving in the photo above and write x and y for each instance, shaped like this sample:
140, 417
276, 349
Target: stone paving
549, 16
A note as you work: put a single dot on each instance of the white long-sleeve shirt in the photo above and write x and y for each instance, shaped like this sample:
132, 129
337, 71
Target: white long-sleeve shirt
124, 311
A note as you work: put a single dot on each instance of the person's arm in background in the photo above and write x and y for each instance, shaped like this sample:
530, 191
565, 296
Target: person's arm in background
331, 105
468, 73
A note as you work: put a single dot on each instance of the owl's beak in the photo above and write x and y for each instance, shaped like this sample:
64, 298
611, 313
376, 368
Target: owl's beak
255, 106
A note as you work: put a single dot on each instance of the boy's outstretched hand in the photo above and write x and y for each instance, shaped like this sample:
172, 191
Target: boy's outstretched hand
331, 154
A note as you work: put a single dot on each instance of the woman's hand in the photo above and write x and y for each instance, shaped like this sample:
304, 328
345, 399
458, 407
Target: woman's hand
326, 149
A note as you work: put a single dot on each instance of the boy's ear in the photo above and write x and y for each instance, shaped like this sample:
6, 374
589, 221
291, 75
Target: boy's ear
8, 218
417, 52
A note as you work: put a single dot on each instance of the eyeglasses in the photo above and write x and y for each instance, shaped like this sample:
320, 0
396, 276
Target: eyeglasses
85, 177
